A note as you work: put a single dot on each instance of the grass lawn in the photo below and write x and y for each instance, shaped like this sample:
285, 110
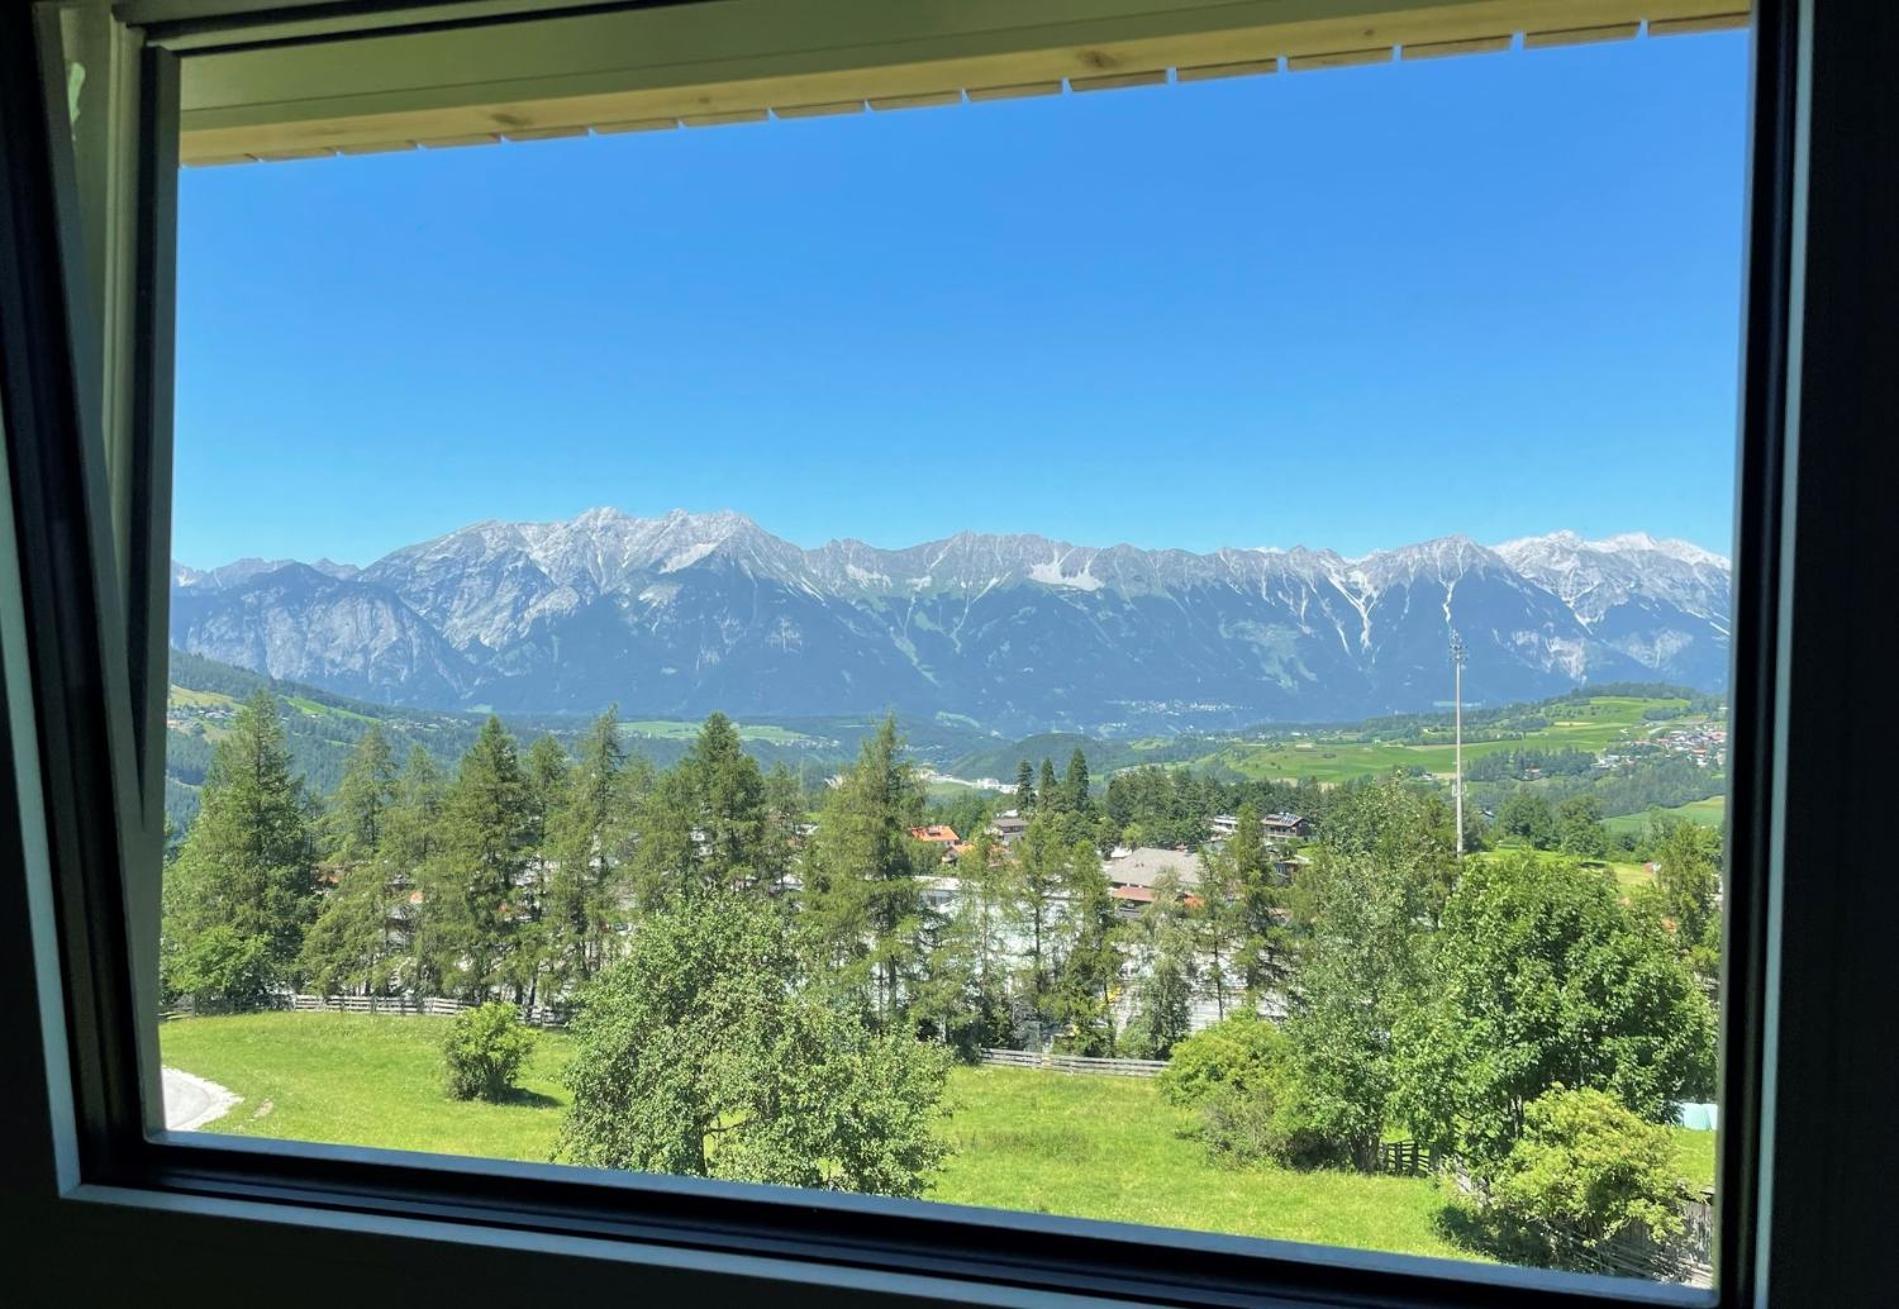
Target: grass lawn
1712, 812
1091, 1147
1694, 1155
1110, 1147
358, 1079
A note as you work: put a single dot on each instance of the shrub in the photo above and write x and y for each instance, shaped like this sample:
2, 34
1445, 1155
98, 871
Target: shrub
1584, 1170
484, 1051
1237, 1053
1286, 1109
222, 970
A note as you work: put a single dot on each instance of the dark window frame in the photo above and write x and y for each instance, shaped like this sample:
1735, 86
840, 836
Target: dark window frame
81, 695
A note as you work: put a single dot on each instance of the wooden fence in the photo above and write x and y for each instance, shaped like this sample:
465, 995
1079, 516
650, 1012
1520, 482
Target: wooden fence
536, 1015
1405, 1158
1073, 1063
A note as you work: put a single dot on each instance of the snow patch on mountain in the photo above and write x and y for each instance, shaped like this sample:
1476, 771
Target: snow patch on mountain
686, 612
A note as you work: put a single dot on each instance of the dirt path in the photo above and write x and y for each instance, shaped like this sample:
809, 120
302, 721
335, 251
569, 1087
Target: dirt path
191, 1102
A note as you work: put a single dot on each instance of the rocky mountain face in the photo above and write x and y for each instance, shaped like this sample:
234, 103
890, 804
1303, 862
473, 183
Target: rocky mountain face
680, 615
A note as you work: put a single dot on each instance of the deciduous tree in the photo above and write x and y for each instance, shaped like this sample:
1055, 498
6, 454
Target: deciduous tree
705, 1053
1545, 979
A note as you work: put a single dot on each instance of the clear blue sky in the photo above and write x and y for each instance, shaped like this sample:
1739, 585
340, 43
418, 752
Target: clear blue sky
1495, 295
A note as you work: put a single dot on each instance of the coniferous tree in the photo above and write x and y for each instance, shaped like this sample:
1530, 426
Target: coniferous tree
1167, 971
545, 771
589, 836
1218, 924
475, 881
348, 948
863, 898
242, 889
1251, 872
1024, 788
1075, 783
704, 824
784, 824
964, 994
354, 823
1091, 966
1048, 795
410, 836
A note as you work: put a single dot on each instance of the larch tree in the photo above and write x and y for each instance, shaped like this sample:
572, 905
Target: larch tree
1039, 878
348, 948
544, 770
410, 836
703, 826
964, 994
243, 888
863, 896
1251, 872
590, 838
475, 878
1091, 966
1166, 971
1217, 923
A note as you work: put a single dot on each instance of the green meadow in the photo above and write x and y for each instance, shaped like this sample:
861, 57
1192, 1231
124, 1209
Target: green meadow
1089, 1147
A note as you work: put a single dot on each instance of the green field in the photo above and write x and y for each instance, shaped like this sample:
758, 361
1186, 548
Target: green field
1627, 873
667, 729
1712, 812
1092, 1147
183, 697
1583, 725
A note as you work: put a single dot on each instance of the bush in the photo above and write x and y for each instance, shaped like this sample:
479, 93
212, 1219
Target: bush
1584, 1170
1288, 1110
484, 1051
1237, 1053
222, 971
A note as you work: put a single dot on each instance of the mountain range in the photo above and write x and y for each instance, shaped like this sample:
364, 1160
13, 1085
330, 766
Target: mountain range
682, 614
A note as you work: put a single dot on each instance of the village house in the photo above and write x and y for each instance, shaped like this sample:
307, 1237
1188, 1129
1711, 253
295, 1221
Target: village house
1274, 828
1008, 827
942, 836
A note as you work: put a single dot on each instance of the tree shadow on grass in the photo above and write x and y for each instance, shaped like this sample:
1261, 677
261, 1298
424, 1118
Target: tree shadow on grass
520, 1097
1473, 1231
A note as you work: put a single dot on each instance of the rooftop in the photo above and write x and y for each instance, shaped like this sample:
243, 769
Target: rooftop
1145, 865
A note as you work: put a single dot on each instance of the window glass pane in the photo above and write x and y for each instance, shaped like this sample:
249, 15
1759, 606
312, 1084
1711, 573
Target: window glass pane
1154, 656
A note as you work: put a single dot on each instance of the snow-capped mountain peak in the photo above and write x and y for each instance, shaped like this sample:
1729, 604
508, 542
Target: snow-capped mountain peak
682, 613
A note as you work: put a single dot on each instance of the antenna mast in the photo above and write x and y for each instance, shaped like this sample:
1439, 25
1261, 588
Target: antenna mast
1457, 679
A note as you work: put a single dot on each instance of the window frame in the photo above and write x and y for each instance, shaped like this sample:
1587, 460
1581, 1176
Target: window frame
85, 632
